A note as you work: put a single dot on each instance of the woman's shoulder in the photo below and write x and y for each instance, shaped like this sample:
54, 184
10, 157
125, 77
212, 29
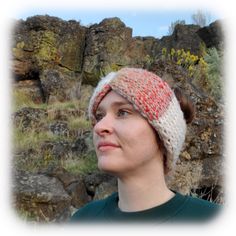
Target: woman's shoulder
197, 209
203, 204
93, 209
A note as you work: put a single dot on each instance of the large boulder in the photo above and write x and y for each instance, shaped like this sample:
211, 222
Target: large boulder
183, 37
212, 35
106, 44
48, 196
43, 198
110, 46
59, 84
43, 43
73, 184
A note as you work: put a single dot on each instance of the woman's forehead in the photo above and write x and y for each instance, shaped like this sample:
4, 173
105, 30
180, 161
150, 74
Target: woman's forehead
112, 99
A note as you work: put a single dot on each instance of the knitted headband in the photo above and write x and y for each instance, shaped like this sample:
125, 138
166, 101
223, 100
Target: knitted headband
153, 99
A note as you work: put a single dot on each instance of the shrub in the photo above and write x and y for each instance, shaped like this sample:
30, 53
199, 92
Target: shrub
206, 68
214, 72
189, 62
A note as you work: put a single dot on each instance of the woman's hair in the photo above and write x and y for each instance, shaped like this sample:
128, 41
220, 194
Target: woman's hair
186, 105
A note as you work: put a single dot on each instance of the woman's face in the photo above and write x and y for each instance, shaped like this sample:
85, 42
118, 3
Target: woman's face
124, 141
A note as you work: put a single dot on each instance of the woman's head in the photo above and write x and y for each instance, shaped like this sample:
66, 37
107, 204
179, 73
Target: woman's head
124, 141
153, 99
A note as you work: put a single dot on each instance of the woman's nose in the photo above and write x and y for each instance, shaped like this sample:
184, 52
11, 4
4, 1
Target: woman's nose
104, 126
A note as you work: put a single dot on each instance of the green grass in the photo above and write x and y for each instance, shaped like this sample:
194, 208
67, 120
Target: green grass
78, 123
83, 165
73, 104
26, 144
31, 139
20, 100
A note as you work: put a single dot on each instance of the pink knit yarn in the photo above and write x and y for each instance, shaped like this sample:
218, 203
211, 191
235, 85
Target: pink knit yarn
153, 99
147, 91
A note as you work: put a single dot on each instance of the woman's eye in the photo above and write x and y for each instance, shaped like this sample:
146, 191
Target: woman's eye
99, 116
122, 113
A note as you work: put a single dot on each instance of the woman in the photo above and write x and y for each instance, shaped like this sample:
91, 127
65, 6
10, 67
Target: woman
139, 127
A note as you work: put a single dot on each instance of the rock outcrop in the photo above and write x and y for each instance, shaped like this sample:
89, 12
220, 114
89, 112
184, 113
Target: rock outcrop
62, 53
40, 197
212, 35
110, 46
50, 50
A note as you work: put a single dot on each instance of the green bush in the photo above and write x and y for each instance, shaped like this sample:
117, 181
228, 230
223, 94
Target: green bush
214, 72
206, 68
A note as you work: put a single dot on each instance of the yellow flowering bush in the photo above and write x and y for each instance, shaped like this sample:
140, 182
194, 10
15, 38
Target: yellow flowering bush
205, 67
186, 60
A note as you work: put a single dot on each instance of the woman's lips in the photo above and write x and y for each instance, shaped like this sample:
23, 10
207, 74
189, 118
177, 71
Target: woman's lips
104, 146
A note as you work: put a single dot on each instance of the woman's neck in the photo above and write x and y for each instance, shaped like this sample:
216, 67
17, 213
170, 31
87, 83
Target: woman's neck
137, 193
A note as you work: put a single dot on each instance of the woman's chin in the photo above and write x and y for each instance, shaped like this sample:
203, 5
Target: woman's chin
107, 167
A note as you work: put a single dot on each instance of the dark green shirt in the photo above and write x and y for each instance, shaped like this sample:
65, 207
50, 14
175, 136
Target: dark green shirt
178, 209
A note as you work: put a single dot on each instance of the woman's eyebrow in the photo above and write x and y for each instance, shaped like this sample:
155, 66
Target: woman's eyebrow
116, 104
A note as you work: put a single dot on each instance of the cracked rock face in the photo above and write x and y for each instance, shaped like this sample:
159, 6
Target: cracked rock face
43, 197
50, 50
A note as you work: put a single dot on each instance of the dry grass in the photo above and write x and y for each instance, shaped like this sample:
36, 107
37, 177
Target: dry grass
187, 176
20, 100
30, 139
79, 123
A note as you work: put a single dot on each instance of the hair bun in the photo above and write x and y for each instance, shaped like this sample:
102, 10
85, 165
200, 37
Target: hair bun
186, 105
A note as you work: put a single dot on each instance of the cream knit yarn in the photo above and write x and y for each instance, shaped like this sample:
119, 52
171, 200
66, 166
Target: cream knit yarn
153, 99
